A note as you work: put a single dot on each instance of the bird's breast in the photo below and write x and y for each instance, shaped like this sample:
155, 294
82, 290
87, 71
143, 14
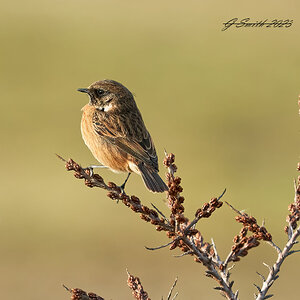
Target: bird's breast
105, 152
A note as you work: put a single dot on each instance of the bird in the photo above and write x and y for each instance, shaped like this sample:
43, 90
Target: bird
113, 129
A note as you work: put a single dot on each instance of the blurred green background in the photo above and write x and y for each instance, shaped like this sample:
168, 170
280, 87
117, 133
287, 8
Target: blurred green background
224, 102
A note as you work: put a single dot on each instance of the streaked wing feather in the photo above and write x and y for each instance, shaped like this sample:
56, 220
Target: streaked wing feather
137, 141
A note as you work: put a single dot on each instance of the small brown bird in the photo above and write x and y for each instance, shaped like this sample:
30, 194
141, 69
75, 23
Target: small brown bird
113, 129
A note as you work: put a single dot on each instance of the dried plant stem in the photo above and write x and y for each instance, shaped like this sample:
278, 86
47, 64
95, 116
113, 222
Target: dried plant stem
171, 290
276, 267
213, 271
189, 240
135, 285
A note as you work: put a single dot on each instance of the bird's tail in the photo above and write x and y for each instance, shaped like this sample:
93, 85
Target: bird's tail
152, 180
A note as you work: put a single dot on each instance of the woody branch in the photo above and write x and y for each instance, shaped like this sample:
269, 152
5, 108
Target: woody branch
188, 239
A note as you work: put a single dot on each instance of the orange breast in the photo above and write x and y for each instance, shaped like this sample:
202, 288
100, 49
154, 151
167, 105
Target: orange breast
106, 153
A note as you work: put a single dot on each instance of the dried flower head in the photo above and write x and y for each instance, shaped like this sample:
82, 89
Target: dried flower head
138, 292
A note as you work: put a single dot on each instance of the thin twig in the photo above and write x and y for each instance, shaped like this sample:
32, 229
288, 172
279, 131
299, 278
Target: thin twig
165, 218
175, 296
216, 252
271, 243
234, 209
69, 290
183, 254
261, 276
163, 246
222, 194
172, 288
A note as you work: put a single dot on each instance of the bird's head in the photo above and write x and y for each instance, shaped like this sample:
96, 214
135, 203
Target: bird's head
109, 96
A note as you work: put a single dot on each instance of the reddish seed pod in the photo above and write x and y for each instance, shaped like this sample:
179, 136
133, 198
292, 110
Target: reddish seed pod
213, 201
288, 218
206, 214
170, 234
185, 248
291, 207
78, 294
172, 222
78, 175
205, 206
177, 180
154, 222
173, 210
145, 218
173, 246
87, 172
126, 203
93, 296
88, 183
244, 240
236, 239
153, 213
193, 231
239, 246
125, 197
268, 237
135, 209
199, 210
263, 229
98, 177
135, 199
168, 176
76, 167
220, 203
111, 185
171, 157
165, 162
111, 195
70, 165
212, 209
181, 199
243, 253
244, 219
181, 243
238, 218
146, 209
234, 248
243, 231
179, 189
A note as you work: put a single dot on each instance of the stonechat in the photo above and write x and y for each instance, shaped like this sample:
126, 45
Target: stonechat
113, 129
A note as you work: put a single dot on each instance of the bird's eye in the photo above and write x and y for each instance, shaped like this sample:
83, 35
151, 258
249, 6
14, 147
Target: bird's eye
99, 92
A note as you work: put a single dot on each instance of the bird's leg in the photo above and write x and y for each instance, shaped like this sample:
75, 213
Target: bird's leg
92, 167
123, 185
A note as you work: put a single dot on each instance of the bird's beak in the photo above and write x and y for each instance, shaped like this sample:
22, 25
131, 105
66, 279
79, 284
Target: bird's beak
83, 90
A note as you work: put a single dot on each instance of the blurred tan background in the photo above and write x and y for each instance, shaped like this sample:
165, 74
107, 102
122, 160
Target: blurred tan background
224, 102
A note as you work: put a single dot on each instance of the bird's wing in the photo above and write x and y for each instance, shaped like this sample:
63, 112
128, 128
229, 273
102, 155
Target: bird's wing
129, 134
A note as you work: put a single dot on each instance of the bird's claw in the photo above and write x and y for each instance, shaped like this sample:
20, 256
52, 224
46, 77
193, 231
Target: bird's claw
122, 187
90, 169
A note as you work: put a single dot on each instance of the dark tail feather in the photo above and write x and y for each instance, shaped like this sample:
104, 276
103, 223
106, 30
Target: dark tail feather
152, 180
